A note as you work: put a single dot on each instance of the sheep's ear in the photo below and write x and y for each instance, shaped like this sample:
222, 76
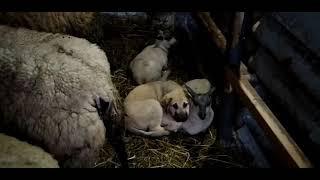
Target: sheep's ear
172, 41
106, 106
211, 91
103, 105
109, 106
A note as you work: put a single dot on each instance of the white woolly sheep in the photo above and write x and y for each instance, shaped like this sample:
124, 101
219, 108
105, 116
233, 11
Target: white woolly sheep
80, 24
18, 154
47, 90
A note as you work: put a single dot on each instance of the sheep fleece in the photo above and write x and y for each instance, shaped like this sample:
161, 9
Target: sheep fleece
79, 24
18, 154
47, 89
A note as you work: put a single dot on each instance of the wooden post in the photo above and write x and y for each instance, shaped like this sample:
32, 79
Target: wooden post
214, 31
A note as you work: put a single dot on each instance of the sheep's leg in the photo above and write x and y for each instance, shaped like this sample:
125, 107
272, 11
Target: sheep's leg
118, 145
113, 131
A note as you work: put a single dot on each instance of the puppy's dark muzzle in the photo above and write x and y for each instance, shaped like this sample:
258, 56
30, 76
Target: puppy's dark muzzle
181, 117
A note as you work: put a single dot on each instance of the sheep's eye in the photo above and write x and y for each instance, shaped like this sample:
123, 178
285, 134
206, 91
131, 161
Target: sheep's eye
185, 105
175, 105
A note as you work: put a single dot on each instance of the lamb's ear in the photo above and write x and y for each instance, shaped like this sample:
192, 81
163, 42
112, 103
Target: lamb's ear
212, 89
190, 91
172, 41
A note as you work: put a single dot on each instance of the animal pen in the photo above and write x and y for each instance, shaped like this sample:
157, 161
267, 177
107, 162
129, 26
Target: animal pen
264, 67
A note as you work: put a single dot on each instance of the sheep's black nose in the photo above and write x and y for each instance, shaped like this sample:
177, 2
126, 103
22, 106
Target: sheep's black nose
202, 115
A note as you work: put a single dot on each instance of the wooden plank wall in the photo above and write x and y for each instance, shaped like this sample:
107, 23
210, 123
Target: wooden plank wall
287, 149
287, 62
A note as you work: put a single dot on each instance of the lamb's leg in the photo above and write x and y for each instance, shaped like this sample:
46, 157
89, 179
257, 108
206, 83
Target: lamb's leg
156, 132
159, 131
161, 35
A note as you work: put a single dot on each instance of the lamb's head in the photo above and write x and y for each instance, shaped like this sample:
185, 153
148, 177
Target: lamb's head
165, 44
201, 100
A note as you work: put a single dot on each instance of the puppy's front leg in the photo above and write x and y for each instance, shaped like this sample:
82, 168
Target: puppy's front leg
170, 124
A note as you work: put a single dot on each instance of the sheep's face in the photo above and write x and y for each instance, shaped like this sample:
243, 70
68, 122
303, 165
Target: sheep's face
201, 100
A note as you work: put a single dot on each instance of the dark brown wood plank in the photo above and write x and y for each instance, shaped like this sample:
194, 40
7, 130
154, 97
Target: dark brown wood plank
214, 31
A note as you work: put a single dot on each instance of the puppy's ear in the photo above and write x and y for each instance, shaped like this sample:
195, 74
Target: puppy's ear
188, 95
166, 100
190, 91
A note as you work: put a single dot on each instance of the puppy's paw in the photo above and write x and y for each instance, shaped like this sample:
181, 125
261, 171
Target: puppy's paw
174, 126
164, 125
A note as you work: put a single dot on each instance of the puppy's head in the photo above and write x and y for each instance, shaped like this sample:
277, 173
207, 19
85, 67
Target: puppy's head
176, 104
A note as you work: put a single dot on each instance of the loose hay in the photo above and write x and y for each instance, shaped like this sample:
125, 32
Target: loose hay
174, 151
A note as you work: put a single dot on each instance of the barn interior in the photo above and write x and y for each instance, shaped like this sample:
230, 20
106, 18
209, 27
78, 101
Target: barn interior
265, 130
196, 55
187, 60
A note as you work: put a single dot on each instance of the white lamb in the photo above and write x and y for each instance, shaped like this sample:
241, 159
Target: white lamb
149, 65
